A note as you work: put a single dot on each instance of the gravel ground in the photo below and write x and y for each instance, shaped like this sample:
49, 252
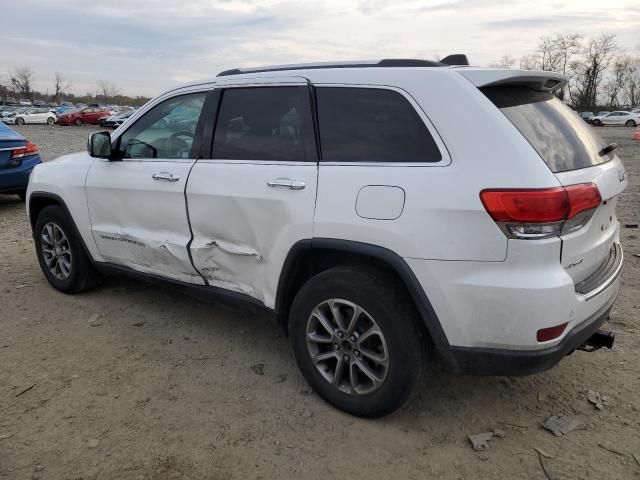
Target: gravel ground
133, 381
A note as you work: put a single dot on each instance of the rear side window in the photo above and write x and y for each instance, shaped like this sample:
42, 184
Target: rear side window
265, 123
372, 125
563, 140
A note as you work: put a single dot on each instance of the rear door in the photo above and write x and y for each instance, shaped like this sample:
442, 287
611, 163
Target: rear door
137, 204
572, 151
254, 197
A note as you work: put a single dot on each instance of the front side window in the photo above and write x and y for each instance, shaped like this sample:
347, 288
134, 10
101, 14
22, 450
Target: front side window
265, 123
165, 131
372, 125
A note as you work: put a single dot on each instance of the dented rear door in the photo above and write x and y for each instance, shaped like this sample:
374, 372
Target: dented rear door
254, 197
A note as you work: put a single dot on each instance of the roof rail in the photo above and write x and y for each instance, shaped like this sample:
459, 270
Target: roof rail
390, 62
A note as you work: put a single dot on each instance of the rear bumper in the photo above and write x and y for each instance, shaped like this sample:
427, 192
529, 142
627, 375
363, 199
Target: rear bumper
16, 179
490, 361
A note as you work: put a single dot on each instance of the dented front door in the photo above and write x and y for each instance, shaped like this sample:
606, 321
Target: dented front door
255, 197
137, 203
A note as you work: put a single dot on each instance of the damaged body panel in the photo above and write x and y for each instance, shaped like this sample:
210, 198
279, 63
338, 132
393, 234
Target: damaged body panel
243, 228
139, 222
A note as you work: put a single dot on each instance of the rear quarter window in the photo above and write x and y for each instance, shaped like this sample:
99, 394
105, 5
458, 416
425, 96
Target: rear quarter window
563, 140
372, 125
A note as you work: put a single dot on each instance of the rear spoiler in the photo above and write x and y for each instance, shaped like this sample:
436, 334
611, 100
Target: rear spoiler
537, 80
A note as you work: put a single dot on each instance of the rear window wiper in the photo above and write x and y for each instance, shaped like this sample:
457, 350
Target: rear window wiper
608, 149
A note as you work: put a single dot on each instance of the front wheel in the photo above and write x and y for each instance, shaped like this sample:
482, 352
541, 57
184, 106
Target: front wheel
630, 123
60, 253
19, 121
354, 336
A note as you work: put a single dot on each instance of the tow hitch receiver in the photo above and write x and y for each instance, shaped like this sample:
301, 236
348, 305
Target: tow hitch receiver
600, 338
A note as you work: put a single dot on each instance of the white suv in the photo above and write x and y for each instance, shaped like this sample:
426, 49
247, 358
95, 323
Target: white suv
390, 214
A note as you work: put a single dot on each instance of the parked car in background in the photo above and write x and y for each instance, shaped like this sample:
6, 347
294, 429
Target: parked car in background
378, 253
586, 116
34, 115
619, 117
114, 121
62, 109
8, 116
89, 115
17, 158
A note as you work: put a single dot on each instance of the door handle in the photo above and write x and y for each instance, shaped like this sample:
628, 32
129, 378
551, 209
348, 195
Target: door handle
169, 177
285, 182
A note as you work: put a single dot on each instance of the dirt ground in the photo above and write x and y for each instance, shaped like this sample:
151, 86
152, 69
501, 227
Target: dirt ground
134, 381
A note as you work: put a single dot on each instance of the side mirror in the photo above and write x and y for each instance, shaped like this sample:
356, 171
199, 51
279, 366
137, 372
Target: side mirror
99, 145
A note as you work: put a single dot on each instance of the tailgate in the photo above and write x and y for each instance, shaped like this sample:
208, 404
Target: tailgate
588, 249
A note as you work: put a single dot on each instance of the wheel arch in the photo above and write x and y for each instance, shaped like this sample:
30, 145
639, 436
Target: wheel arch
309, 257
38, 201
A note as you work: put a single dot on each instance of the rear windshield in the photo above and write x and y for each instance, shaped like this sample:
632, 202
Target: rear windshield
559, 135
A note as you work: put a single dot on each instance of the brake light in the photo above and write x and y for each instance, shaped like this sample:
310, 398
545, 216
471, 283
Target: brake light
546, 334
541, 213
26, 151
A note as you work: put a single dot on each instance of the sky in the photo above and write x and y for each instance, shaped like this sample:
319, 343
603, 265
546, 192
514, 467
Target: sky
147, 46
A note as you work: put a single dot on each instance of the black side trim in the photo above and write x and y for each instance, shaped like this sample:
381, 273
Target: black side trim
206, 292
493, 361
392, 259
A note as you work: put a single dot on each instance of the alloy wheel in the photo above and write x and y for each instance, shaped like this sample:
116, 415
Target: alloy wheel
347, 347
56, 251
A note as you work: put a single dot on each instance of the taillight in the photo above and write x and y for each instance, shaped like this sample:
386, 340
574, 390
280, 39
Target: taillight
541, 213
26, 151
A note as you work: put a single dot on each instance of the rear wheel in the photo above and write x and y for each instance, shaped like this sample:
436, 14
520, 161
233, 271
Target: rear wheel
630, 123
354, 336
50, 121
60, 253
78, 122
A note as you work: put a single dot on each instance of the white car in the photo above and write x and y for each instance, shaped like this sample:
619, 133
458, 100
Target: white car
620, 117
382, 230
35, 115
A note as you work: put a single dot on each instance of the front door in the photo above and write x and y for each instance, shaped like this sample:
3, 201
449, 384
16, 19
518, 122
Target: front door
255, 195
137, 204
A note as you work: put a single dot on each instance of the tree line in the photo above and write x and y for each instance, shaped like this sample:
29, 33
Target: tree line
19, 86
602, 75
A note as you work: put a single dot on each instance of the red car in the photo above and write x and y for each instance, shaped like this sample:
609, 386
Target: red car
89, 115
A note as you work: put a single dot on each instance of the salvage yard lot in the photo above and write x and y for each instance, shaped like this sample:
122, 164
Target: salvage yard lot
134, 381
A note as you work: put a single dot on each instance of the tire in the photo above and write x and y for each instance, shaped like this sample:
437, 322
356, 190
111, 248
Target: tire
597, 123
385, 304
50, 121
630, 123
19, 121
80, 274
78, 122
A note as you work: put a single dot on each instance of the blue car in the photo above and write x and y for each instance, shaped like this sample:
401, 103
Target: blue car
18, 156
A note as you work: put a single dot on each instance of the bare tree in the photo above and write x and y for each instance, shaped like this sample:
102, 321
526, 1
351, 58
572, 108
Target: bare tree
631, 89
108, 89
22, 79
554, 54
506, 61
60, 86
588, 71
